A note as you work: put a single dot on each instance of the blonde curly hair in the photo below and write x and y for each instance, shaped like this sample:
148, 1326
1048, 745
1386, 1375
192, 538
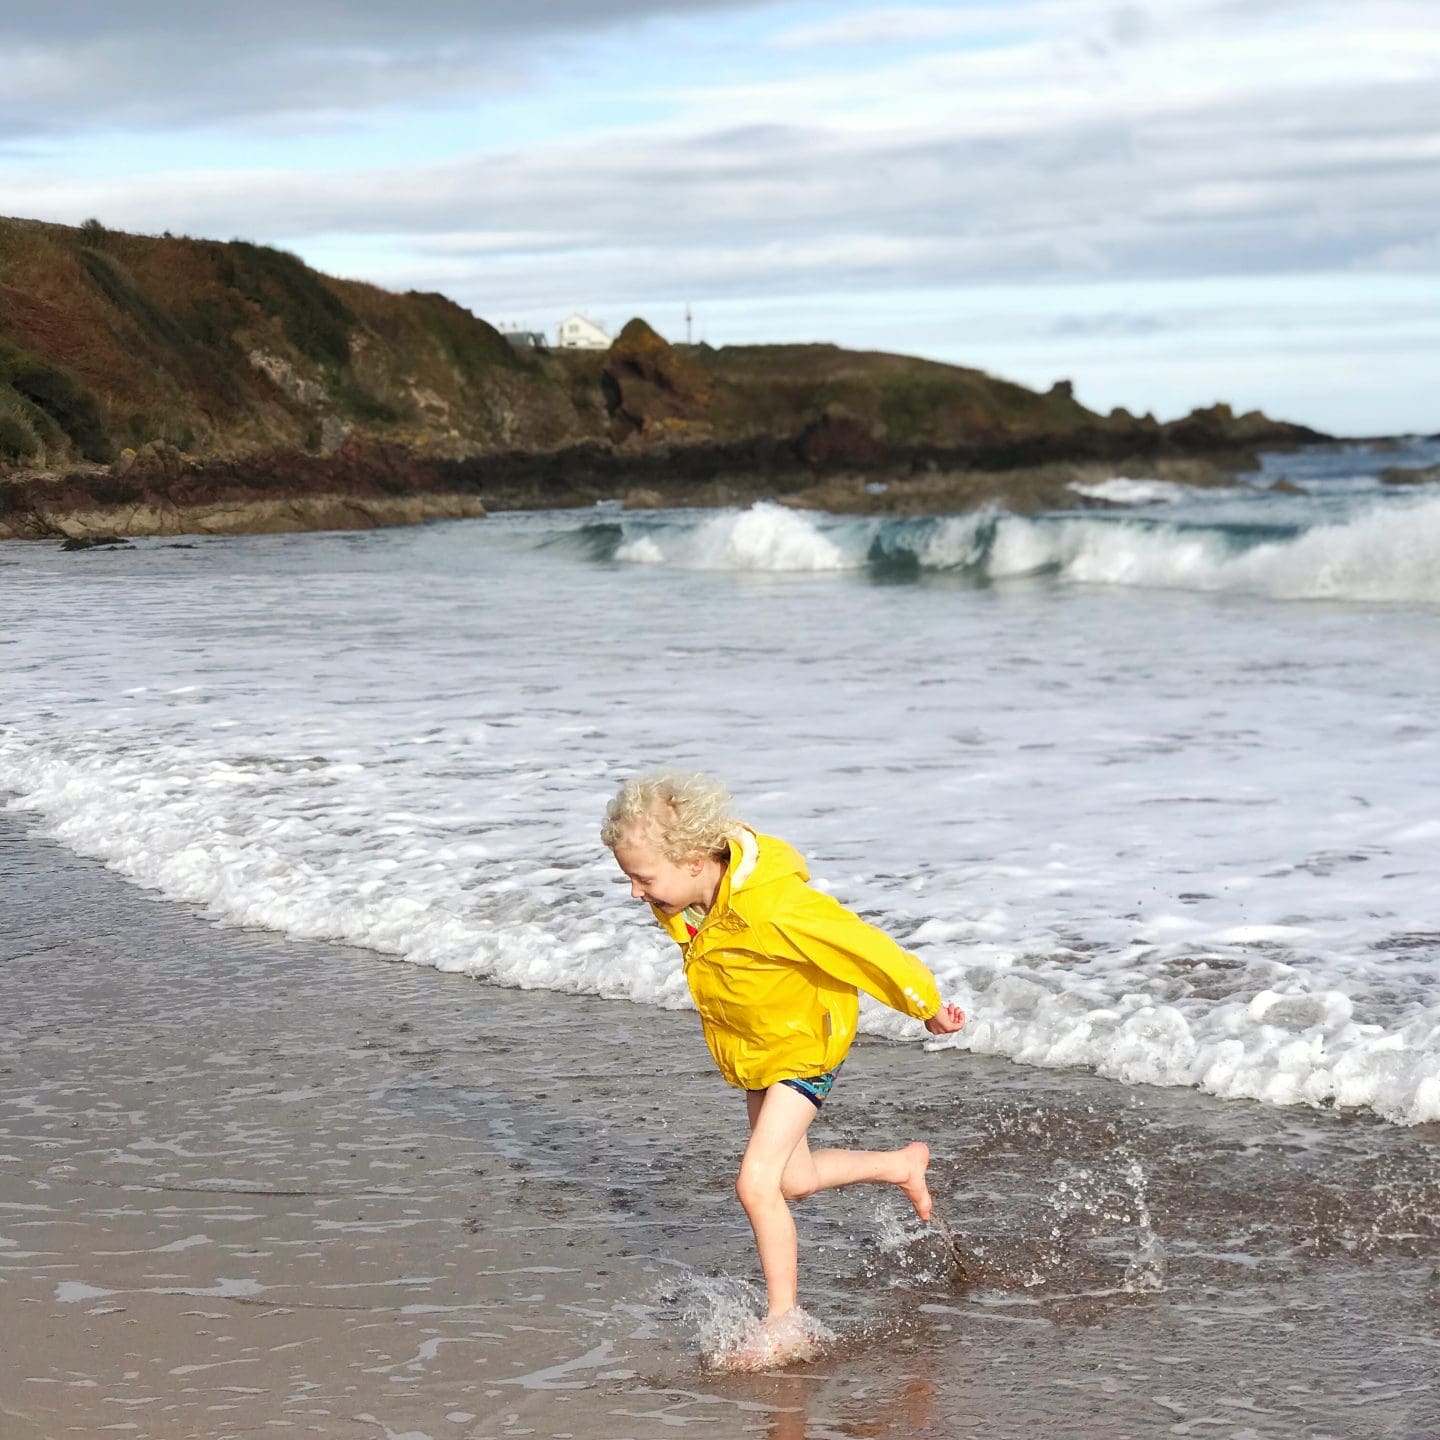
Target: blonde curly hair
686, 811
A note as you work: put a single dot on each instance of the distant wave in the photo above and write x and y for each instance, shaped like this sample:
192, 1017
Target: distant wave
1120, 491
765, 537
1387, 554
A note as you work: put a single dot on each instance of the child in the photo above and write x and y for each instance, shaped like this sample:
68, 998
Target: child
774, 968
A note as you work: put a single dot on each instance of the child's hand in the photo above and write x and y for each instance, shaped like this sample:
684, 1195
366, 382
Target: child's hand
946, 1021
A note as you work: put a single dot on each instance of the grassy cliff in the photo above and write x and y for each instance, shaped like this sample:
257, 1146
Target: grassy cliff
109, 341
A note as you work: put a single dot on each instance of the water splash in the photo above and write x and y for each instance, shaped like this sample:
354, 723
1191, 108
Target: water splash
1145, 1273
725, 1317
789, 1339
905, 1252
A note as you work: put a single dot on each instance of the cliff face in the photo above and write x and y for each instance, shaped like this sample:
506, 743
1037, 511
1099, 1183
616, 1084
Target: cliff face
171, 375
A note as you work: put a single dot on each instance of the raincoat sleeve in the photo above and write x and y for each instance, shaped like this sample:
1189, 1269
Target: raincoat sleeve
815, 928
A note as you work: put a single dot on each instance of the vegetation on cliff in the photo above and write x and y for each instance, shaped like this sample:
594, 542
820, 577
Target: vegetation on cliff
110, 341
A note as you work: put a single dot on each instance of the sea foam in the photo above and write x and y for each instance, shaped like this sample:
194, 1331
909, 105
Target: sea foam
204, 834
1187, 841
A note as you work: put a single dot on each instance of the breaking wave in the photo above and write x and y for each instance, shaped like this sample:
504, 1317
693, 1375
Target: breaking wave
1390, 553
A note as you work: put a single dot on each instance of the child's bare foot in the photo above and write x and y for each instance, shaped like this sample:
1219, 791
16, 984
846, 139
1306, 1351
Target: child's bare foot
916, 1158
777, 1340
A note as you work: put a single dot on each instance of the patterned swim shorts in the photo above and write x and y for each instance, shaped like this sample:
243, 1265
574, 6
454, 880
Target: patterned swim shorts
816, 1087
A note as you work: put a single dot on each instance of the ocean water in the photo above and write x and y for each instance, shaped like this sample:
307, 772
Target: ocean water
1155, 790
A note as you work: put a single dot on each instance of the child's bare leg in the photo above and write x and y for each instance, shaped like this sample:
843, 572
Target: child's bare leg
779, 1118
904, 1167
808, 1172
779, 1166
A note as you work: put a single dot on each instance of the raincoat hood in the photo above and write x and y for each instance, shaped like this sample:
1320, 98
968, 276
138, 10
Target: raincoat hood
752, 867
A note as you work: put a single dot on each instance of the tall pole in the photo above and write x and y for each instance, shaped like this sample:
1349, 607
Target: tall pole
687, 322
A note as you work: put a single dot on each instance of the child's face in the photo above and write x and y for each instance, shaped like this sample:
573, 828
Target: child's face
655, 878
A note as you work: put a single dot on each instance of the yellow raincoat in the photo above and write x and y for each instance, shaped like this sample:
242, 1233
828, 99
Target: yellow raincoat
775, 967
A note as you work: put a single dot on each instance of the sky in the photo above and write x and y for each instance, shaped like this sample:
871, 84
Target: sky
1168, 204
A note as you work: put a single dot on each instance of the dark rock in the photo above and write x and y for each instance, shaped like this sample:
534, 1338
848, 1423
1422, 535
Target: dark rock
359, 486
1285, 486
77, 542
1216, 428
1410, 475
651, 390
838, 439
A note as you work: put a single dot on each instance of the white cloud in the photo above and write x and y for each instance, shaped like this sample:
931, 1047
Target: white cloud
1116, 191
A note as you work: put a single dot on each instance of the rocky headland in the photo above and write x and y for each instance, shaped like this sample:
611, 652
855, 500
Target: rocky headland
167, 385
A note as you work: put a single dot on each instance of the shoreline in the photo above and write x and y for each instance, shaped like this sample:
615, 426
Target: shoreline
248, 1180
365, 486
161, 492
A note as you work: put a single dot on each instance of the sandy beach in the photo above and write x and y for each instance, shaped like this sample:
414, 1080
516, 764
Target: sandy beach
251, 1185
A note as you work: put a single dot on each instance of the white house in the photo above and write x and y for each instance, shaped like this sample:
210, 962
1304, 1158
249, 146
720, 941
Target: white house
578, 332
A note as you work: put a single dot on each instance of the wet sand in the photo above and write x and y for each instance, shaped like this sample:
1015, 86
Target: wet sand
249, 1185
